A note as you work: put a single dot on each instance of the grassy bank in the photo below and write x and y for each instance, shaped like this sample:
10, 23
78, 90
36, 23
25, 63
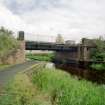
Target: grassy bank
40, 57
65, 90
51, 87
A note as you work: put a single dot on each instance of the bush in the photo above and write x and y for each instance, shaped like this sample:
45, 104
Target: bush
7, 42
98, 66
98, 54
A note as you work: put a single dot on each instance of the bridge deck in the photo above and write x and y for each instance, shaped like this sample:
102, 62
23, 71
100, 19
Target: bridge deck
32, 45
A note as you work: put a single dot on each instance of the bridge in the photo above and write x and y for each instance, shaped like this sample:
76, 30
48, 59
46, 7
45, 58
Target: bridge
33, 45
63, 52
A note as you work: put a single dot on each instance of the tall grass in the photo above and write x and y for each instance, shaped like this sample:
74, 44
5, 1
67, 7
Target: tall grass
21, 91
65, 90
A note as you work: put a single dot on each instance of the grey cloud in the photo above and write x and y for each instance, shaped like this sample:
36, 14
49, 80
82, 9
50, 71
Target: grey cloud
21, 6
74, 18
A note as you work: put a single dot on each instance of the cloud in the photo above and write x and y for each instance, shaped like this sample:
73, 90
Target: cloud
12, 21
72, 18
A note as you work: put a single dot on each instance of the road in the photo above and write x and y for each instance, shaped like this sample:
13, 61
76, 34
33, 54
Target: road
8, 73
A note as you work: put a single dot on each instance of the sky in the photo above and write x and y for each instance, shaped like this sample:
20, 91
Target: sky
73, 19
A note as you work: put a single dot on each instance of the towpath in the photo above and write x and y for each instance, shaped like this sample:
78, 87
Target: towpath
8, 73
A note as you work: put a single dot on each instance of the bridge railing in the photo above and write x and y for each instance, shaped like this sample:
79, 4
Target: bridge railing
39, 37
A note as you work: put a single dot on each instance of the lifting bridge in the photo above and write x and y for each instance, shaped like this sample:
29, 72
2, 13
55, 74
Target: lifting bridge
71, 52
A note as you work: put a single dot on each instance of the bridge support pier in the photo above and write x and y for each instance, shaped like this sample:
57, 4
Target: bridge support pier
85, 53
77, 58
21, 50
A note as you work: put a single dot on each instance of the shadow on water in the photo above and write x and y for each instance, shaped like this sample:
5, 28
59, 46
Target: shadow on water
82, 73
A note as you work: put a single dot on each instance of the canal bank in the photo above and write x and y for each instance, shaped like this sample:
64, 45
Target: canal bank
81, 70
43, 85
97, 76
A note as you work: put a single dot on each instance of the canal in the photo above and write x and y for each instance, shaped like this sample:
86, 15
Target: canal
88, 74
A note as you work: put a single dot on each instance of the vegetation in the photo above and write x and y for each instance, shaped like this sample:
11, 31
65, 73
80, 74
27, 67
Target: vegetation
40, 57
64, 90
100, 66
2, 66
98, 54
7, 42
52, 87
19, 92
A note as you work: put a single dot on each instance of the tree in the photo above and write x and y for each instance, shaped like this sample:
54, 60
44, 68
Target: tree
59, 39
98, 54
3, 30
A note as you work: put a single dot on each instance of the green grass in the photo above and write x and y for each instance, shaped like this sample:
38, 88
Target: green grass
65, 90
2, 66
40, 57
52, 87
99, 67
21, 91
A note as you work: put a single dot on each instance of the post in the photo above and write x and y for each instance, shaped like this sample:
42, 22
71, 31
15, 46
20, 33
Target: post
79, 53
85, 43
85, 53
21, 35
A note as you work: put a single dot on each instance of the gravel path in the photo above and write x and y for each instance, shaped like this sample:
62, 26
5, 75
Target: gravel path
8, 73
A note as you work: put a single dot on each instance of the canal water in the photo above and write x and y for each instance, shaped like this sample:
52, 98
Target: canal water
91, 75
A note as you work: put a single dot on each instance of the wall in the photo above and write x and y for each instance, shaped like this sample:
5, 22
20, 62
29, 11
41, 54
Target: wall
16, 56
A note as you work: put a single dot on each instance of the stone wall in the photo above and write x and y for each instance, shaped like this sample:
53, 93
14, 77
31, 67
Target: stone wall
16, 56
